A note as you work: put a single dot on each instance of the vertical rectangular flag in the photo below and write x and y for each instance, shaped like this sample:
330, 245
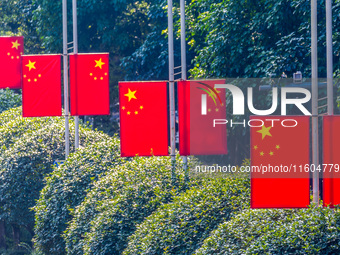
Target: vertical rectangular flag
143, 118
89, 84
279, 161
41, 91
331, 160
11, 49
197, 133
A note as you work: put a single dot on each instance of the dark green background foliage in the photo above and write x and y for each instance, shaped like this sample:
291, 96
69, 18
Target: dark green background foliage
66, 188
9, 99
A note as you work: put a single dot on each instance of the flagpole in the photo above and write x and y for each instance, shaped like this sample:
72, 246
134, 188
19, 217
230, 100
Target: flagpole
171, 89
66, 106
329, 34
75, 51
183, 68
315, 129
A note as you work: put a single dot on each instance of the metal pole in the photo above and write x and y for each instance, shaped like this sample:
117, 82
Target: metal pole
75, 51
329, 57
315, 142
67, 131
171, 89
183, 68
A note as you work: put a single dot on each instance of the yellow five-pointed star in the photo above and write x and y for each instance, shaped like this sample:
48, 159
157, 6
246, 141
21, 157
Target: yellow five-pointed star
30, 65
264, 131
277, 147
255, 147
131, 94
99, 63
15, 44
271, 153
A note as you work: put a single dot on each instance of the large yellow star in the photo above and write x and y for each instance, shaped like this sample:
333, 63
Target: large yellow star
99, 63
131, 94
30, 65
16, 44
264, 131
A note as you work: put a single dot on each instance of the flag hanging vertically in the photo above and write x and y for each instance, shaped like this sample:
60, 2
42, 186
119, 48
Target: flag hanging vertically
41, 91
143, 118
89, 84
279, 162
197, 134
331, 160
11, 49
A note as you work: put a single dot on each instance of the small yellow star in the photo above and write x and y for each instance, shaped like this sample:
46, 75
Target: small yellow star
91, 74
131, 94
8, 54
277, 147
24, 75
255, 147
105, 73
141, 107
12, 57
99, 63
17, 57
35, 80
16, 45
264, 131
101, 78
271, 153
29, 80
216, 109
30, 65
95, 78
128, 113
136, 112
39, 75
123, 108
209, 110
261, 153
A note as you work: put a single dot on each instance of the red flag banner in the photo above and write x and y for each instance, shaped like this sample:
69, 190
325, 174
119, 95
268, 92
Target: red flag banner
143, 118
89, 84
11, 49
197, 133
41, 91
279, 161
331, 160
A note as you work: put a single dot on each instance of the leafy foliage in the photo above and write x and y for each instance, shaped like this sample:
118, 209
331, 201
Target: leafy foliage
181, 226
312, 231
118, 201
67, 186
9, 99
24, 166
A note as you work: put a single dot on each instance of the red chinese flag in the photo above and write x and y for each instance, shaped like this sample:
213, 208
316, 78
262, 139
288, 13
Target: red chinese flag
331, 152
11, 49
143, 118
279, 154
41, 90
197, 134
89, 84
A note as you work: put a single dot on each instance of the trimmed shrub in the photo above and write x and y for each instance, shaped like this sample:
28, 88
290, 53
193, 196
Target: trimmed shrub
24, 166
180, 227
118, 202
9, 99
10, 115
304, 231
66, 188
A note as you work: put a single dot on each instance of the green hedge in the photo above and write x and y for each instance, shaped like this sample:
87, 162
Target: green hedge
67, 186
10, 115
24, 165
9, 99
180, 227
304, 231
118, 202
